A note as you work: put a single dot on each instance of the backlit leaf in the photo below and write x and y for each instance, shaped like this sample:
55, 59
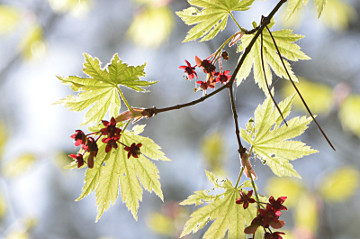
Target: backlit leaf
33, 45
211, 18
227, 216
100, 90
270, 141
350, 114
18, 166
285, 41
9, 18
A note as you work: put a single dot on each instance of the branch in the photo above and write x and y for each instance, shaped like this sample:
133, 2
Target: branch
153, 111
297, 90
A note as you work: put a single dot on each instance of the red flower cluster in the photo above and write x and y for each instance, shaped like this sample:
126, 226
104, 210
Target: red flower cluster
208, 67
267, 217
112, 132
88, 144
111, 138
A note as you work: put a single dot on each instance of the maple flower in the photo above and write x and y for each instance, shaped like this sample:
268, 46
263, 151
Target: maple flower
111, 142
276, 205
223, 77
79, 159
205, 84
189, 70
111, 128
79, 137
273, 235
206, 65
134, 150
92, 148
245, 199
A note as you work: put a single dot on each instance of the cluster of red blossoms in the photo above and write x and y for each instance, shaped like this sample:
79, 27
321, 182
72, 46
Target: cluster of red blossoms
111, 136
208, 67
266, 217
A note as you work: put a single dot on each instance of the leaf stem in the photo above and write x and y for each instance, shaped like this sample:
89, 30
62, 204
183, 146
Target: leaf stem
238, 180
124, 100
233, 18
254, 187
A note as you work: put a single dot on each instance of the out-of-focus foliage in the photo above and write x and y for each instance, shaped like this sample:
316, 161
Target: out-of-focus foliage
335, 13
350, 114
340, 185
169, 221
74, 7
319, 97
33, 45
285, 41
270, 141
18, 166
214, 152
151, 26
3, 137
3, 205
335, 187
9, 18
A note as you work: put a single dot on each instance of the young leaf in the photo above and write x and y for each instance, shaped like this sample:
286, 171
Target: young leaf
222, 210
100, 90
270, 140
285, 41
116, 169
293, 6
320, 6
212, 18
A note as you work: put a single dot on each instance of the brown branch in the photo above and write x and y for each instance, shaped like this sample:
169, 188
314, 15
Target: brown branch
153, 111
297, 90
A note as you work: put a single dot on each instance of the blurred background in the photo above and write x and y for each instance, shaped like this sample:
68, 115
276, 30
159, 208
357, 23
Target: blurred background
42, 39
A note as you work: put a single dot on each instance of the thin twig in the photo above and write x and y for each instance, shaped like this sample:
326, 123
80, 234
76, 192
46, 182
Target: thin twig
297, 90
266, 81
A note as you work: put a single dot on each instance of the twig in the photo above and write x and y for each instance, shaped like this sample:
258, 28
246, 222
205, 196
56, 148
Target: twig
297, 90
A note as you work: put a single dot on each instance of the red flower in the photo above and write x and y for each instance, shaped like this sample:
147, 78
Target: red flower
189, 70
79, 159
111, 142
277, 205
273, 235
92, 148
206, 65
111, 128
205, 85
134, 150
245, 199
223, 77
79, 137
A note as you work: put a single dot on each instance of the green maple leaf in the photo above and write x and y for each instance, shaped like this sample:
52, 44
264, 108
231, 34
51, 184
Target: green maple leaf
100, 90
285, 41
227, 216
212, 18
270, 140
114, 169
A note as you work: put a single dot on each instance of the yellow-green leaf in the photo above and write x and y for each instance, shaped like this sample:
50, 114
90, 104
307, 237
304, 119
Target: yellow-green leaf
18, 166
100, 90
285, 41
271, 142
340, 185
32, 45
285, 186
306, 213
211, 18
214, 152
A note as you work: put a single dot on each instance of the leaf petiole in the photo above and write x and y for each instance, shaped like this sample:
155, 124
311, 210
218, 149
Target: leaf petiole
124, 100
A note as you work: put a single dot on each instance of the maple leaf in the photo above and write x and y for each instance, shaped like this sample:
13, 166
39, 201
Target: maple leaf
285, 41
270, 140
222, 210
212, 18
101, 89
114, 169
